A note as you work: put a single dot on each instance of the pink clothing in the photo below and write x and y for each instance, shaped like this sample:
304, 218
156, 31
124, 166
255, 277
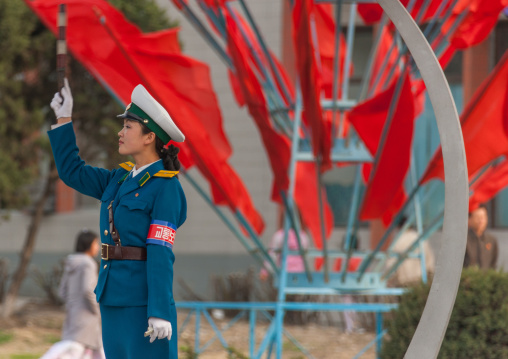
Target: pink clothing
294, 263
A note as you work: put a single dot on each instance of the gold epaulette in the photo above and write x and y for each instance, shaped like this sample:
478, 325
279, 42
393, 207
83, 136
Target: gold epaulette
167, 174
128, 166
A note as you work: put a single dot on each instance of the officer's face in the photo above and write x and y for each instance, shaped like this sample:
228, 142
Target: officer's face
132, 140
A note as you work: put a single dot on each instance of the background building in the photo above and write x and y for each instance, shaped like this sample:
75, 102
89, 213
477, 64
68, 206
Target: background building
204, 245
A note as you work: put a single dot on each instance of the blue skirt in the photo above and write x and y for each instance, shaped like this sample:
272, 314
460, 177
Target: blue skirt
123, 331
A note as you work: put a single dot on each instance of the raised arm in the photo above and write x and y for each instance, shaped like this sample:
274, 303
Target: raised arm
72, 169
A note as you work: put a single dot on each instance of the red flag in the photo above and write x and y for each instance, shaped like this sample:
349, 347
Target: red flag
257, 51
250, 91
492, 182
306, 197
483, 123
276, 145
384, 193
478, 23
325, 29
120, 57
310, 81
371, 13
385, 43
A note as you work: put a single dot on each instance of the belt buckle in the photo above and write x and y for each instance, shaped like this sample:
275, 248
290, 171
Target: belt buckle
104, 247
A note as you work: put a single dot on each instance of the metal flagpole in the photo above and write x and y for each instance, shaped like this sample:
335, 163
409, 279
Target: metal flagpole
336, 63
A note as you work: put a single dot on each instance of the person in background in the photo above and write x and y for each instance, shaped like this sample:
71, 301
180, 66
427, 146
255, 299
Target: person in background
409, 271
294, 263
481, 248
81, 332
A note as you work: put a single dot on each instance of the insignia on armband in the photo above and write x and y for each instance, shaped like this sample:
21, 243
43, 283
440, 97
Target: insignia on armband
161, 233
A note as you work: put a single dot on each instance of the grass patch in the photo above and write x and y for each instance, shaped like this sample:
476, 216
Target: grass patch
290, 346
51, 339
5, 337
25, 356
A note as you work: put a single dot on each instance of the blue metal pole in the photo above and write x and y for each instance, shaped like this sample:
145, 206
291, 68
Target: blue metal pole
435, 19
252, 332
270, 349
295, 225
438, 45
409, 221
269, 85
194, 20
370, 344
366, 262
382, 69
418, 215
384, 134
336, 51
185, 322
386, 127
447, 15
349, 53
435, 225
196, 331
347, 65
403, 49
215, 17
322, 218
370, 64
298, 345
281, 296
216, 330
266, 340
379, 330
353, 213
256, 240
221, 215
262, 42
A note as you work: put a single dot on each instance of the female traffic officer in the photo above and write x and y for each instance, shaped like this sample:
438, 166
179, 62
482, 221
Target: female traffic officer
142, 206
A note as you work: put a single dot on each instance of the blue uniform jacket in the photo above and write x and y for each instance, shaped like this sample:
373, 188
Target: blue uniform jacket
138, 203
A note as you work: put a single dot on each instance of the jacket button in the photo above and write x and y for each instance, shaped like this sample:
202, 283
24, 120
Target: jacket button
105, 266
106, 232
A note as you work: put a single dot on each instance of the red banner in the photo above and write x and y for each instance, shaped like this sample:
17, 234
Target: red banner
484, 125
120, 57
384, 194
490, 184
277, 146
310, 82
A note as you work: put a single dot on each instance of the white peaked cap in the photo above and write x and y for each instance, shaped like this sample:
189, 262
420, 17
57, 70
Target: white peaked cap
153, 115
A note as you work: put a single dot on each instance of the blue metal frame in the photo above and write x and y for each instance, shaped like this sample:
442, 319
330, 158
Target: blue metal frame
251, 311
311, 282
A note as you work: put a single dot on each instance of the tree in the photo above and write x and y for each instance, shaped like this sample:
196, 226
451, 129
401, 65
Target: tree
27, 84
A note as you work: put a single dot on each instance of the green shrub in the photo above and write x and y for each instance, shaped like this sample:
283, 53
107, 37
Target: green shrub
478, 325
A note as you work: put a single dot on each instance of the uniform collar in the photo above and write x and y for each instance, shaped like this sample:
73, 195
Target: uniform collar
135, 171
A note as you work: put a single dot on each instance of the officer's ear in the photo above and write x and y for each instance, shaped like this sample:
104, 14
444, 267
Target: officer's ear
150, 137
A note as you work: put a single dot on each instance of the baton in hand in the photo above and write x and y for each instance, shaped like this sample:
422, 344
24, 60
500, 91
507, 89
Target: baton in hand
61, 46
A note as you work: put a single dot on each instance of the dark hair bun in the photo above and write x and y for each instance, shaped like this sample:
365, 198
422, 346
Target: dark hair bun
173, 150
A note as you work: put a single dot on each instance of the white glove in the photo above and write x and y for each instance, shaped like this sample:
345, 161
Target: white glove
63, 107
161, 328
